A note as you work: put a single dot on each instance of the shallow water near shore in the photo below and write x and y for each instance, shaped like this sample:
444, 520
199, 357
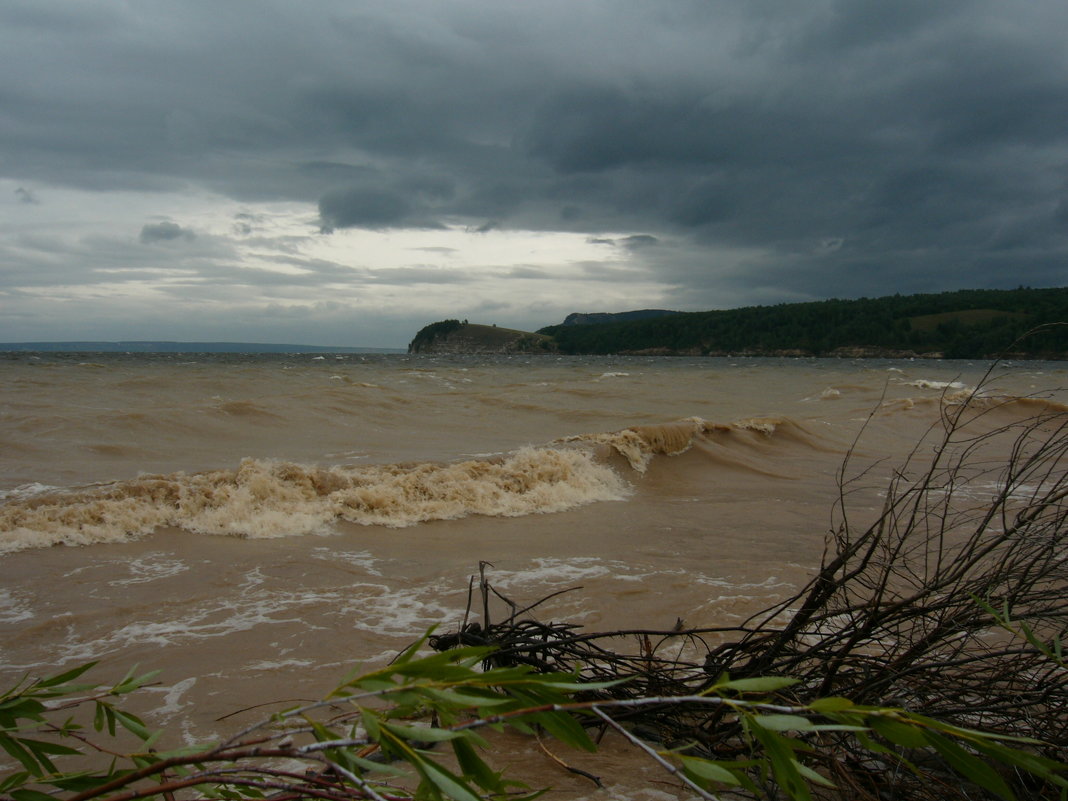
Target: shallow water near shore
257, 525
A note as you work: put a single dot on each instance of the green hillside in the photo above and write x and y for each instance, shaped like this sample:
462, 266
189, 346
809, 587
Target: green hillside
963, 324
453, 336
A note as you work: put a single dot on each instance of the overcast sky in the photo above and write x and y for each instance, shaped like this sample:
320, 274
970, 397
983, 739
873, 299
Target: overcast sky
344, 172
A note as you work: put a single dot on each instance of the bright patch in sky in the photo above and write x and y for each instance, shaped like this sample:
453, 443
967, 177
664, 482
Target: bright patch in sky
208, 264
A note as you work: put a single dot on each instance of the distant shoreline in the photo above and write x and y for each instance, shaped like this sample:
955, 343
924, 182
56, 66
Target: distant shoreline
152, 346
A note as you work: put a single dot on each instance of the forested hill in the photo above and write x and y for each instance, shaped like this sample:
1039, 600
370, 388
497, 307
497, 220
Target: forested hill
964, 324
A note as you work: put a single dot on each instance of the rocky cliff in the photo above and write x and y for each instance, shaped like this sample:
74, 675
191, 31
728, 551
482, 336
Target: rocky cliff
453, 336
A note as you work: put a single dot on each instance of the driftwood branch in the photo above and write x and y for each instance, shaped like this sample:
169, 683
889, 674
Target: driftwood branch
891, 618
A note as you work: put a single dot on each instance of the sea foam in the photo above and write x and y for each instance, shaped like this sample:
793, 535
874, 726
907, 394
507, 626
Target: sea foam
265, 498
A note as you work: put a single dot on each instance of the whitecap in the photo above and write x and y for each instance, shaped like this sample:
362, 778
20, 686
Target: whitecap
12, 609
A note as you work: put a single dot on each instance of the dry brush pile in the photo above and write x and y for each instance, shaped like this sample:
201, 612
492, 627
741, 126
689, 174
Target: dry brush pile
951, 604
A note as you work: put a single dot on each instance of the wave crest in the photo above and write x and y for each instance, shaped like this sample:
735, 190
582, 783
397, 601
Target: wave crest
639, 444
263, 498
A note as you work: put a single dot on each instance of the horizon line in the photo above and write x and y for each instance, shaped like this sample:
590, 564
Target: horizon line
178, 346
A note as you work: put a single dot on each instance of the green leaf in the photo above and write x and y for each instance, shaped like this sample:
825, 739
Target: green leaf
424, 734
465, 699
14, 780
133, 724
143, 761
830, 704
30, 795
104, 718
878, 748
63, 678
322, 734
22, 707
374, 685
784, 722
452, 786
41, 749
370, 725
780, 754
969, 734
133, 682
45, 747
903, 734
760, 684
15, 749
837, 727
503, 675
372, 766
404, 700
185, 751
345, 759
522, 726
565, 729
572, 684
409, 653
474, 767
970, 766
811, 775
456, 663
1035, 764
129, 675
69, 726
708, 770
78, 782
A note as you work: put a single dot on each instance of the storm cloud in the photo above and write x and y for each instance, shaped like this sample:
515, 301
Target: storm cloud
165, 232
717, 153
25, 195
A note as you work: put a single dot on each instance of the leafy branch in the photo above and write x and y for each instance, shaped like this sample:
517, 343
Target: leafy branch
375, 737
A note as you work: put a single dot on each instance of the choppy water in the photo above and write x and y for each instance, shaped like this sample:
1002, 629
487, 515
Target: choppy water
255, 525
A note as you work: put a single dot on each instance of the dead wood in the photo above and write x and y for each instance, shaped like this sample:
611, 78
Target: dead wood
892, 616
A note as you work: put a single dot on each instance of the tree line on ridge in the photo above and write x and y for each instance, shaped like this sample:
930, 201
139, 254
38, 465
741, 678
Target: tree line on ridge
962, 324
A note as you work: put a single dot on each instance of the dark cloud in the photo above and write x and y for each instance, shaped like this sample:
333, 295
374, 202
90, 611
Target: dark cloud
845, 27
245, 223
26, 196
529, 272
639, 241
633, 242
846, 147
364, 208
165, 232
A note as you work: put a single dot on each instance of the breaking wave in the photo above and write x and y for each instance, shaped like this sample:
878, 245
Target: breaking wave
640, 444
264, 498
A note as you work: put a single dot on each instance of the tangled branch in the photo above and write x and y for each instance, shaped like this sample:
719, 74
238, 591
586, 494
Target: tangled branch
899, 613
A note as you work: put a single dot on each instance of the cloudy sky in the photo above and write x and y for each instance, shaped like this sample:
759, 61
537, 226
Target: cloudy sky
345, 171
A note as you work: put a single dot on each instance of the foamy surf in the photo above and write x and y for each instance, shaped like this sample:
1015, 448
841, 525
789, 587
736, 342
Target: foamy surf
640, 444
265, 499
363, 606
